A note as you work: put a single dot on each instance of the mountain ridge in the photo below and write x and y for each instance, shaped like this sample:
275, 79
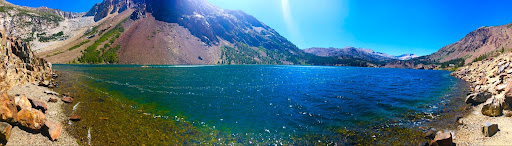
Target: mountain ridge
357, 53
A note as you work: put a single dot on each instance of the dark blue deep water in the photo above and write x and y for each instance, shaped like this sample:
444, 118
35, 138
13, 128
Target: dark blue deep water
272, 101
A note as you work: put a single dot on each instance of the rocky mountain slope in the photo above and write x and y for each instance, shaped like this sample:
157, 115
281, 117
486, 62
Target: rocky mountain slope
40, 27
482, 43
178, 32
485, 41
181, 32
366, 54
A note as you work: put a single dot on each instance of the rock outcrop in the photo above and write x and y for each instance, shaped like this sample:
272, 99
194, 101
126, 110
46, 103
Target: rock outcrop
19, 65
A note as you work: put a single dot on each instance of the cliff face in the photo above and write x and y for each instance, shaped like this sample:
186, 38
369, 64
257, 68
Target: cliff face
18, 64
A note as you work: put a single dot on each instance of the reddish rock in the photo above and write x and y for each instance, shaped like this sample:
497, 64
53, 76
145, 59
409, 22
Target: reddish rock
67, 99
39, 104
443, 139
54, 129
22, 102
31, 118
52, 99
5, 131
75, 118
7, 109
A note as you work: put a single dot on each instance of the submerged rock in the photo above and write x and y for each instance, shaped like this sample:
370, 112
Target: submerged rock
67, 99
75, 118
5, 131
489, 129
54, 129
31, 118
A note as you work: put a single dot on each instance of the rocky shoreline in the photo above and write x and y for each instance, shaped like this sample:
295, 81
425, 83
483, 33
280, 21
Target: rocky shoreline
30, 113
488, 122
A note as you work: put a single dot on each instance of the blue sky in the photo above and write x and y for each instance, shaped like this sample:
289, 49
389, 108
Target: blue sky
394, 27
65, 5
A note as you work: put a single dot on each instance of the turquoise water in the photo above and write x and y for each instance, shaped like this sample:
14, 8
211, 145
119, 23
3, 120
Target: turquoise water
275, 102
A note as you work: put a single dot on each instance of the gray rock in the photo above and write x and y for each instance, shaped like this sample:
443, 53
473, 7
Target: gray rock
477, 98
489, 129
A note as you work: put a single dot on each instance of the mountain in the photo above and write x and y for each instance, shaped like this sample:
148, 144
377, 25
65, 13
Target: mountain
176, 32
40, 27
482, 42
479, 44
365, 54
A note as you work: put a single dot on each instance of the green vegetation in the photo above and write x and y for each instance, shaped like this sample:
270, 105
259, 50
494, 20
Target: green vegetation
244, 54
93, 31
76, 46
459, 62
92, 55
481, 57
56, 53
43, 38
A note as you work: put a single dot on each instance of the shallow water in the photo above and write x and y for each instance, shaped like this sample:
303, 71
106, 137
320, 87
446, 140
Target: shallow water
265, 104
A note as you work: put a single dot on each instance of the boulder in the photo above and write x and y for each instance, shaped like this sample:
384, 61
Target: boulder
31, 118
489, 129
7, 109
75, 118
443, 139
492, 108
38, 104
67, 99
477, 98
22, 102
54, 129
5, 131
430, 134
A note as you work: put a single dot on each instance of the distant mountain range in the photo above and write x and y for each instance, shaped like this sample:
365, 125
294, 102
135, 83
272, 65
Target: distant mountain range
366, 54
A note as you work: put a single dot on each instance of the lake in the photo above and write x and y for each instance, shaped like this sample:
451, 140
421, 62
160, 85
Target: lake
261, 104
